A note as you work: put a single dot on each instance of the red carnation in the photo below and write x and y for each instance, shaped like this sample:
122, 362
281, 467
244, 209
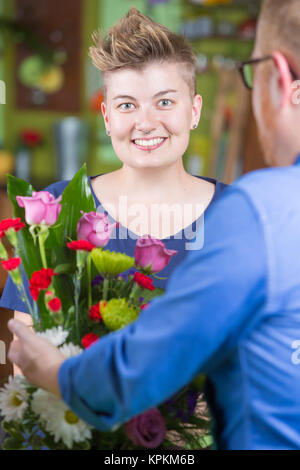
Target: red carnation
94, 313
11, 263
54, 304
42, 278
89, 339
30, 137
16, 224
143, 281
80, 245
35, 292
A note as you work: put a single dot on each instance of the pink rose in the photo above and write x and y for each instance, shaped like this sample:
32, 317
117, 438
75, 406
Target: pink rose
42, 207
152, 252
147, 430
95, 228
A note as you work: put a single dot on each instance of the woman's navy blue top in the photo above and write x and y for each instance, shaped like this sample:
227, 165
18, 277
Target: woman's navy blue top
124, 241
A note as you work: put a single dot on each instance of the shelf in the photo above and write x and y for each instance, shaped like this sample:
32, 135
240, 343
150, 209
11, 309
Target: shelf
240, 4
220, 38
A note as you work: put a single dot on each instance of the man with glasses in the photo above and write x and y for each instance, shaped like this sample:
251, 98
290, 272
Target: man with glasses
232, 309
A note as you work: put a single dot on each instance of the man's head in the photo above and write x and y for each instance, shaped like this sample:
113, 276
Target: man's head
275, 103
134, 42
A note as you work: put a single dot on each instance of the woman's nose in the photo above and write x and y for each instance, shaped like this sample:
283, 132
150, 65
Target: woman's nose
146, 121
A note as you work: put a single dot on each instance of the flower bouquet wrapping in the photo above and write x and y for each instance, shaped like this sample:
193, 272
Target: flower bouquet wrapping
78, 292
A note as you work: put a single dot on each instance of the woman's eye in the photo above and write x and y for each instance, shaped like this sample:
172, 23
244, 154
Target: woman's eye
163, 101
124, 104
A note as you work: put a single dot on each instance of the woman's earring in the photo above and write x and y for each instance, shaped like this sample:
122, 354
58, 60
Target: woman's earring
107, 132
194, 126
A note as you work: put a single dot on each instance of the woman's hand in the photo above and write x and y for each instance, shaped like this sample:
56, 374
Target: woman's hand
38, 359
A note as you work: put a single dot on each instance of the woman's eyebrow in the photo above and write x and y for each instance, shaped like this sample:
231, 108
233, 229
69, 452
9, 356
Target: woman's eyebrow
164, 92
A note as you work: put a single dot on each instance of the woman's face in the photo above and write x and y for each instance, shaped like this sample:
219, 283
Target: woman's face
152, 103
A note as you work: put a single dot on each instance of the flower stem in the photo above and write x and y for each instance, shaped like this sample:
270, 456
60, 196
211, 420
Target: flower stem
89, 281
135, 289
42, 238
76, 302
105, 288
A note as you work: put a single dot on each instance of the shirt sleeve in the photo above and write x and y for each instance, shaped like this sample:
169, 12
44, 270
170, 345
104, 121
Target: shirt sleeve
213, 299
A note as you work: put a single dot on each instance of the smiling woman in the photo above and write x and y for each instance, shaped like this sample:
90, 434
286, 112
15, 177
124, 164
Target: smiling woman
150, 106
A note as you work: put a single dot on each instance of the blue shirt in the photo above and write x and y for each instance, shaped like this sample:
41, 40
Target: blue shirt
231, 310
124, 241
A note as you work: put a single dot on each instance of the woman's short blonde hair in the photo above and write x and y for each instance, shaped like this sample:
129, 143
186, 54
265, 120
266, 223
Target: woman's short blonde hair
135, 41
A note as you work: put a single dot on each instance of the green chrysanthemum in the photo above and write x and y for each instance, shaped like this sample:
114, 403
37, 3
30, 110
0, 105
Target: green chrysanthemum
110, 262
116, 313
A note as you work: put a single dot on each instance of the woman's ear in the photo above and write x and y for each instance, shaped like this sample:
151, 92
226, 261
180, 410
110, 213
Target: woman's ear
284, 81
104, 113
103, 110
196, 109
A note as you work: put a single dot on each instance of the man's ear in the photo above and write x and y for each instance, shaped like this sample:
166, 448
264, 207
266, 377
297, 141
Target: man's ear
285, 81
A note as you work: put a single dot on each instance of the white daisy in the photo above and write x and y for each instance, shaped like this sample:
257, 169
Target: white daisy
70, 350
59, 420
56, 335
13, 398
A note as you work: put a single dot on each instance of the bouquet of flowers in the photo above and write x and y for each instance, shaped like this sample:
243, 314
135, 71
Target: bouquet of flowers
79, 292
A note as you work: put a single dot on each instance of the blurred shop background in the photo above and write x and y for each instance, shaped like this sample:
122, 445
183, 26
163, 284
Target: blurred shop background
50, 93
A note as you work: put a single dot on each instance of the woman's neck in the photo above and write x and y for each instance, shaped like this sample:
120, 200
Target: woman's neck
152, 185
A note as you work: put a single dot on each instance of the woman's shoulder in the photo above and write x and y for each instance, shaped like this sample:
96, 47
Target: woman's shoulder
57, 187
219, 186
214, 181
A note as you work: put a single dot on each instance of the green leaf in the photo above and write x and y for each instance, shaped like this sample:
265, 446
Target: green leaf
11, 444
76, 197
63, 268
17, 187
198, 382
151, 294
207, 440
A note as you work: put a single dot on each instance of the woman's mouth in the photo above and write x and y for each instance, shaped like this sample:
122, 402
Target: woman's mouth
151, 144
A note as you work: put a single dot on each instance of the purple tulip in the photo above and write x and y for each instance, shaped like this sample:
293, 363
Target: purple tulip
41, 208
147, 430
95, 228
152, 252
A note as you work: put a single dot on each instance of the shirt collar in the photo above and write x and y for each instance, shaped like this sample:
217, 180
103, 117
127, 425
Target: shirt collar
297, 161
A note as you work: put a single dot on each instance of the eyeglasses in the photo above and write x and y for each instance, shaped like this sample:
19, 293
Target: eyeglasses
246, 70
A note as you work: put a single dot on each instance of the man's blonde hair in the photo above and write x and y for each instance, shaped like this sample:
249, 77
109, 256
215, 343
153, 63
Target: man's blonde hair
279, 25
135, 41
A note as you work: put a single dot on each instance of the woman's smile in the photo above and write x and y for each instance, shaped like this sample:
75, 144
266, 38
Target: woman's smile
149, 144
